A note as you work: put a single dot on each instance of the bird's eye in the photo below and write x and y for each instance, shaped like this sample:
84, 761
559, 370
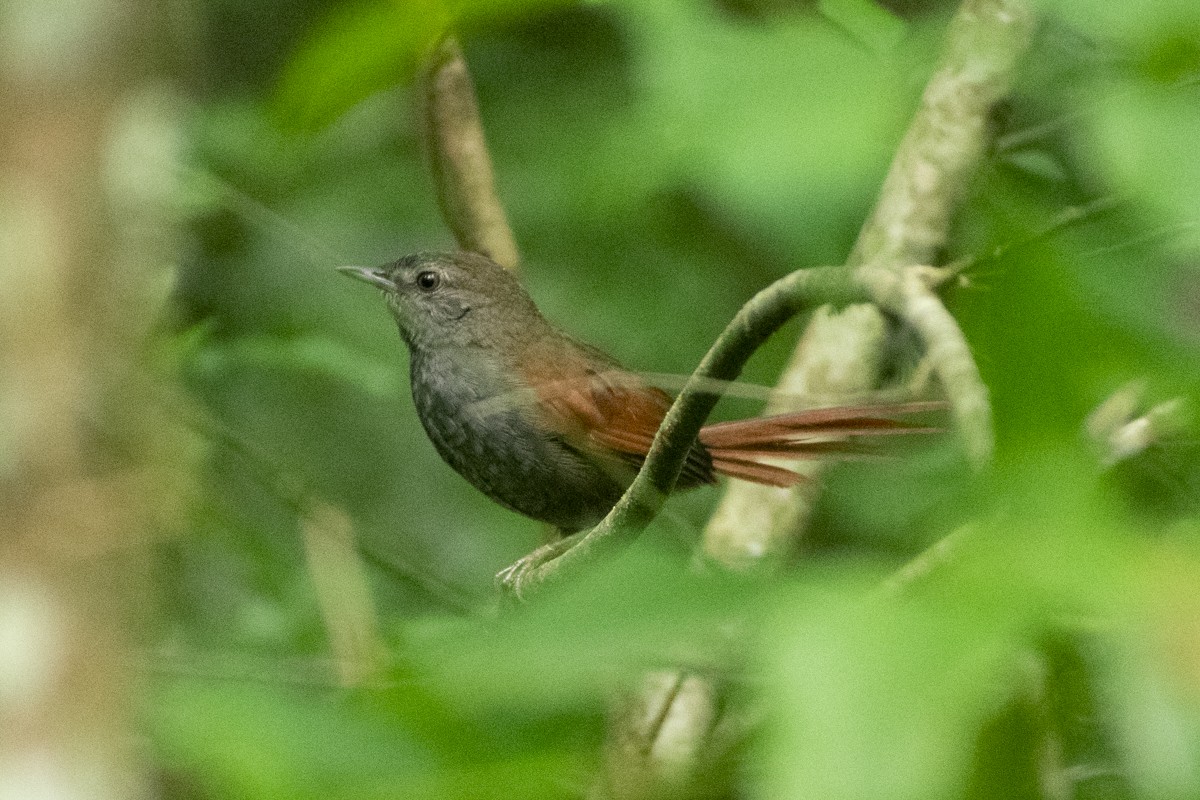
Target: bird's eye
428, 280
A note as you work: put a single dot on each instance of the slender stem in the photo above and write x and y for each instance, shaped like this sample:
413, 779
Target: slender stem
926, 562
344, 594
909, 295
947, 138
459, 159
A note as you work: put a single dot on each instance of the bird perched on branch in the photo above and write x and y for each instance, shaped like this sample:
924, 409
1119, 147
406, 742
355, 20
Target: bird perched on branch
551, 427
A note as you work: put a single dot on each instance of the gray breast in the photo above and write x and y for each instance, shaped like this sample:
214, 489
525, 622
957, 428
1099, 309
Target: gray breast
481, 423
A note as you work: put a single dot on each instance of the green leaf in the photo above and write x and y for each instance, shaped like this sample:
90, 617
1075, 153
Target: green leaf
365, 47
1152, 677
880, 699
867, 21
360, 49
312, 354
251, 741
1145, 136
779, 123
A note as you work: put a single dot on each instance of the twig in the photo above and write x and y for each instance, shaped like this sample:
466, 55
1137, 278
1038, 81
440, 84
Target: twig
1067, 218
947, 138
459, 160
910, 297
928, 560
209, 666
343, 593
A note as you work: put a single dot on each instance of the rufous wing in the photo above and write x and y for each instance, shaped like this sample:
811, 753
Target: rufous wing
602, 409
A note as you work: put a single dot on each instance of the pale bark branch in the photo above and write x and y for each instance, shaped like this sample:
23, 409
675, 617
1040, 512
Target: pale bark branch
946, 140
344, 594
459, 159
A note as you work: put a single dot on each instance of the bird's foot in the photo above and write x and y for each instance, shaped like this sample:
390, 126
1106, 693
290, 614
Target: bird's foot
517, 579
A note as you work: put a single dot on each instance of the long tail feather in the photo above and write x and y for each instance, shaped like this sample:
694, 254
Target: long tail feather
817, 423
802, 451
818, 433
756, 472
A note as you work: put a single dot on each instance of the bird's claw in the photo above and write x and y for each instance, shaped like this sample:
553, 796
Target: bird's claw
517, 578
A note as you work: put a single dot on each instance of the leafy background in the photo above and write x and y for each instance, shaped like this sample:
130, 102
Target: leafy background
661, 160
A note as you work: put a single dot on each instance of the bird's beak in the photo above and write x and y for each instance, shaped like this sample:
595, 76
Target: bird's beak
374, 277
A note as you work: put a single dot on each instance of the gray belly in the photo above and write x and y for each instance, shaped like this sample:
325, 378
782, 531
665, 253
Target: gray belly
489, 438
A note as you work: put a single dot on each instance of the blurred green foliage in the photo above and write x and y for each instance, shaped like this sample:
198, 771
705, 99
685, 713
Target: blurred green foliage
660, 161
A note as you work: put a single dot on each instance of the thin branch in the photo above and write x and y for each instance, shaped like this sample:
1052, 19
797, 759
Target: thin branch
459, 160
947, 139
765, 313
926, 562
344, 594
210, 666
910, 297
1067, 218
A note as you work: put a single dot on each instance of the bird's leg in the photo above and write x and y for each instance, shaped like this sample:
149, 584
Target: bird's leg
512, 579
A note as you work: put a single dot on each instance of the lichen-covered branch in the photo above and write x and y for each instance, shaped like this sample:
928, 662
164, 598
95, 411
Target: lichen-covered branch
459, 159
948, 136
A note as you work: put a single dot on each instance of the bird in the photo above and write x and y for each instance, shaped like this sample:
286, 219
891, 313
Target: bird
554, 428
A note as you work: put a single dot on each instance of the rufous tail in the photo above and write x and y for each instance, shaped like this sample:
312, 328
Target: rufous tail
736, 447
